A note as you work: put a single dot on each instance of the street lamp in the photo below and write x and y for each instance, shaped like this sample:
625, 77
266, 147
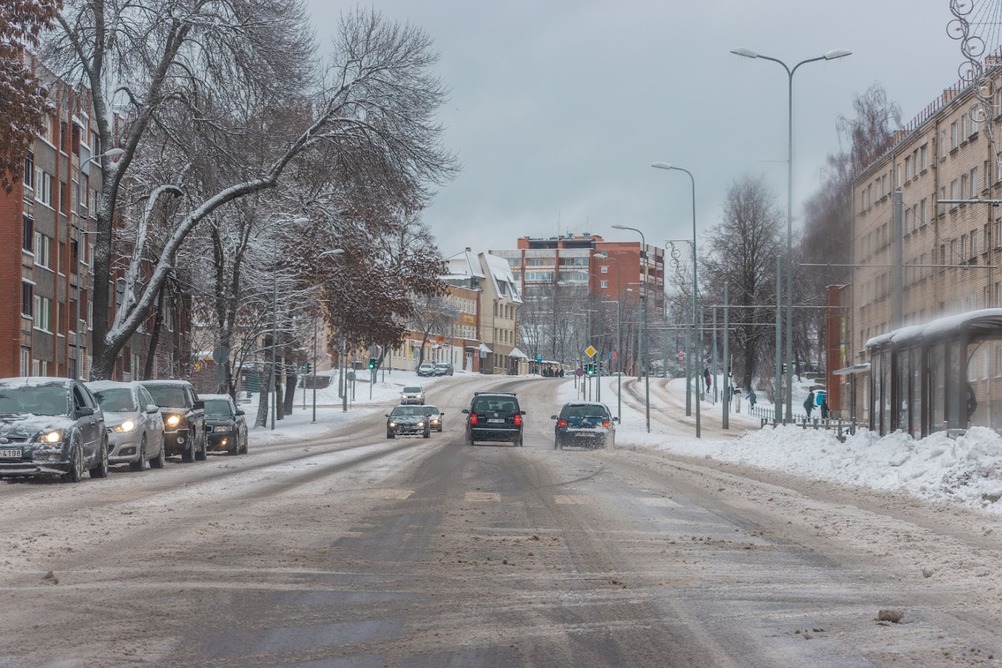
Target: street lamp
643, 324
830, 55
327, 253
695, 283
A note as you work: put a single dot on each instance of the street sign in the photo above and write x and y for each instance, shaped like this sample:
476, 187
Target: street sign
590, 351
539, 359
579, 372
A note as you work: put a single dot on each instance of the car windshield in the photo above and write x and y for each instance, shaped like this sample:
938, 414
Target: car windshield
406, 410
431, 410
35, 399
412, 390
584, 411
218, 408
167, 395
116, 400
494, 405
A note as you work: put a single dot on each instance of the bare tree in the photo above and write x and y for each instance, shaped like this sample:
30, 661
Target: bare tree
23, 102
741, 251
162, 74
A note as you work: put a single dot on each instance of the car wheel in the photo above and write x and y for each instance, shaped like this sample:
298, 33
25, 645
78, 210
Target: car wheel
188, 454
243, 448
202, 453
100, 469
390, 434
75, 474
518, 442
140, 462
426, 434
556, 444
161, 459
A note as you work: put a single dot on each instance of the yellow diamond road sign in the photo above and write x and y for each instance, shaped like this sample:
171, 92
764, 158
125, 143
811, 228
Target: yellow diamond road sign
590, 351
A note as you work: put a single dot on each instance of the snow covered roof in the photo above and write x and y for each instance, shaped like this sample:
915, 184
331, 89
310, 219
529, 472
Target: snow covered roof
504, 281
463, 265
981, 323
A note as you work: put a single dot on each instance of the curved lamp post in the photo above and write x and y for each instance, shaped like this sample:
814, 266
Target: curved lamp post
619, 335
643, 324
830, 55
695, 338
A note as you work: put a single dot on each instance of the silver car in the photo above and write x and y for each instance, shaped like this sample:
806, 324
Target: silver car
412, 394
135, 428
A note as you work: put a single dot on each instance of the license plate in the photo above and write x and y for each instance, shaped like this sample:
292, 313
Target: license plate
496, 420
10, 453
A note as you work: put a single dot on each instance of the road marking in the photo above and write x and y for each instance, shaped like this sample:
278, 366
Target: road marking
660, 502
396, 494
570, 500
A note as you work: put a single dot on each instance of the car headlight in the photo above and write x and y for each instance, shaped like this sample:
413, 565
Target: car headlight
392, 424
51, 437
420, 423
173, 421
125, 427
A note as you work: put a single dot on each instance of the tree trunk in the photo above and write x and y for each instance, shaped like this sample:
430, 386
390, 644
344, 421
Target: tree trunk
264, 391
158, 321
290, 389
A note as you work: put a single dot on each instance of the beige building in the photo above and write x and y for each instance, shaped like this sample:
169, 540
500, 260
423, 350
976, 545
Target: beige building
927, 242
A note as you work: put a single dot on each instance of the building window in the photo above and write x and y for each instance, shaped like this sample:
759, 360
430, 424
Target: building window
25, 361
974, 243
974, 182
27, 233
26, 299
42, 314
954, 135
43, 250
29, 170
924, 157
43, 187
923, 214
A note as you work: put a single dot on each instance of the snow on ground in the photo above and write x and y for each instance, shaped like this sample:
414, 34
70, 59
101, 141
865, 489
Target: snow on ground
965, 470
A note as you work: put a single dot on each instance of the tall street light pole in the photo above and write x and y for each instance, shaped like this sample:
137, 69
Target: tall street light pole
831, 55
619, 334
695, 283
643, 324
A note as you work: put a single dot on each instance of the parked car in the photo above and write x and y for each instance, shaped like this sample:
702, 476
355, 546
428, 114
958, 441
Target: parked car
406, 419
225, 424
426, 369
434, 417
494, 416
183, 413
443, 369
412, 394
132, 420
51, 427
586, 424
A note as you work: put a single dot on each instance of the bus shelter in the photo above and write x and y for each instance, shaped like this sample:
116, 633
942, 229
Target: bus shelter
943, 375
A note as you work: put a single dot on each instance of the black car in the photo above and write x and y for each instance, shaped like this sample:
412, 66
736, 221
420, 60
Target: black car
586, 424
407, 419
51, 427
494, 416
184, 417
225, 425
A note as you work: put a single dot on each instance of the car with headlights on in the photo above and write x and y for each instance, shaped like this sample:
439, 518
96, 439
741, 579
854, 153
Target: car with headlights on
225, 424
585, 424
407, 420
412, 394
434, 417
51, 427
183, 413
132, 420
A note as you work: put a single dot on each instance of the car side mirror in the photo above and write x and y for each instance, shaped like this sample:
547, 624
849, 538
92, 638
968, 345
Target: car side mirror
198, 405
152, 408
240, 411
615, 419
554, 417
466, 410
84, 411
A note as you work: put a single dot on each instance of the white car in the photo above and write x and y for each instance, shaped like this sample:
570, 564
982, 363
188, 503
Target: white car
135, 428
412, 394
426, 369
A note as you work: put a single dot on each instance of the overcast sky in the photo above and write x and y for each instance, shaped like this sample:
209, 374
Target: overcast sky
558, 108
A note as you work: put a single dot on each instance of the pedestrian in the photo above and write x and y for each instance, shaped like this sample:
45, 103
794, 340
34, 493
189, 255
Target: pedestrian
824, 408
809, 404
972, 403
707, 378
752, 398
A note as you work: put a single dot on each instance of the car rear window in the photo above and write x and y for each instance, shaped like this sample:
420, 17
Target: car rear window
494, 405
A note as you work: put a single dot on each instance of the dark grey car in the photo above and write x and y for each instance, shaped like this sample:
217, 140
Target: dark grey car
403, 420
51, 427
183, 413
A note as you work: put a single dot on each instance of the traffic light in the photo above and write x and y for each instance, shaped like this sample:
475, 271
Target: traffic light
306, 367
590, 369
372, 362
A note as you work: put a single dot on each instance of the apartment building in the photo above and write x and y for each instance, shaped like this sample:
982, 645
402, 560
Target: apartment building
46, 233
927, 239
